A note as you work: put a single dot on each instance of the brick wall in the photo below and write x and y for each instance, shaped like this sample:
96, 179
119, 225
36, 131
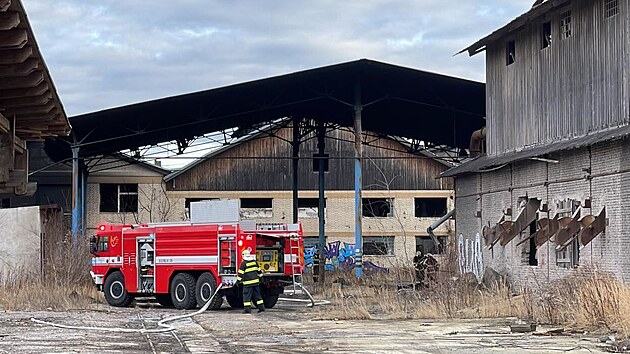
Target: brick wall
552, 182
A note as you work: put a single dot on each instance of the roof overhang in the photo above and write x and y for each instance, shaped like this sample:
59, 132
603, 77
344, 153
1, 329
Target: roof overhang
486, 163
28, 98
395, 100
515, 25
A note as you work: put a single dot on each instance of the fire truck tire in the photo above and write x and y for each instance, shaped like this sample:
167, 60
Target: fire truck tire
234, 297
270, 300
115, 292
183, 291
164, 300
206, 286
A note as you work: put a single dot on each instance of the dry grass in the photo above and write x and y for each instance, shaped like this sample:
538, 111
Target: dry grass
589, 300
63, 284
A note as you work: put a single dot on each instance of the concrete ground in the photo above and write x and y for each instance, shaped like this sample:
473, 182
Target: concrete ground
286, 328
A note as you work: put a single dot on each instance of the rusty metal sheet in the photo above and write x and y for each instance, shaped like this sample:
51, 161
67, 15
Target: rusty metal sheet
502, 229
541, 225
569, 228
545, 233
592, 226
525, 217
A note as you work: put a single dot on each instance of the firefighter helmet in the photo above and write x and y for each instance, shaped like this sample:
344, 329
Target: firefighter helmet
248, 256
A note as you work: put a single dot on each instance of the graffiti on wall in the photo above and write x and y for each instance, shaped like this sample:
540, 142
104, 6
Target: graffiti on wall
470, 256
339, 256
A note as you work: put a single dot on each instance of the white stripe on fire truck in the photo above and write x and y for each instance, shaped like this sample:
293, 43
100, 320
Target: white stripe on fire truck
186, 260
106, 260
290, 258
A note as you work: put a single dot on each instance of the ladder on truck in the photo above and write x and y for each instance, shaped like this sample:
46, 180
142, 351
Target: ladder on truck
296, 267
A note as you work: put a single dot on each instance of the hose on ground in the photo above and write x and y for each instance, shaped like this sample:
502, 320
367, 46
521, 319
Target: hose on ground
161, 323
312, 302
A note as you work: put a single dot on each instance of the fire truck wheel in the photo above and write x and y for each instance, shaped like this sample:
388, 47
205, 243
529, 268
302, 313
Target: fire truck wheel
270, 300
206, 286
235, 298
115, 292
183, 291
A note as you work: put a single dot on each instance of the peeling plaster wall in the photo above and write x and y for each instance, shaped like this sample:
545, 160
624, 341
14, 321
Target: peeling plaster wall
491, 193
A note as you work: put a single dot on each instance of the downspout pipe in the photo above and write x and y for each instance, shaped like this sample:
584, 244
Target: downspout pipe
437, 224
476, 140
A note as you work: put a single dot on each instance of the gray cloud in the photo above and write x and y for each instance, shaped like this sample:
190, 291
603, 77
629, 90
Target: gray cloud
104, 53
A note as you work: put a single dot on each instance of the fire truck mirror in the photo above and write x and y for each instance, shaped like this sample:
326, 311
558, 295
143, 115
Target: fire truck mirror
93, 244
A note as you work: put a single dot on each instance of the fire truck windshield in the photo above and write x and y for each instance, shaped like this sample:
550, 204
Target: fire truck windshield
99, 243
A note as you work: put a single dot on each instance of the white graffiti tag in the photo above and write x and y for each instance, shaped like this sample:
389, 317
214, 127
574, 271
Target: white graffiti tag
470, 256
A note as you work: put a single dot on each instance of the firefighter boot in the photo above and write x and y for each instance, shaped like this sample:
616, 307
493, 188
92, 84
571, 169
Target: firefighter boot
247, 310
261, 308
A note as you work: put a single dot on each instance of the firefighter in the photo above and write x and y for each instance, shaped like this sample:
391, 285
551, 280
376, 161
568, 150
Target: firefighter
249, 274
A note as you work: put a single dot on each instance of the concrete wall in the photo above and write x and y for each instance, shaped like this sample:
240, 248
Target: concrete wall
20, 243
599, 173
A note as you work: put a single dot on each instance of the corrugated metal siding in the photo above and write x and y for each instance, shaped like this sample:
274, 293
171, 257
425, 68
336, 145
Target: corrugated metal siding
576, 86
239, 169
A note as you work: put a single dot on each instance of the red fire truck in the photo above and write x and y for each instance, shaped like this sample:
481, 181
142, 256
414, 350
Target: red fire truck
182, 264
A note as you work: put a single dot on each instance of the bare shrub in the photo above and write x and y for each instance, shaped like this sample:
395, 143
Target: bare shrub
63, 281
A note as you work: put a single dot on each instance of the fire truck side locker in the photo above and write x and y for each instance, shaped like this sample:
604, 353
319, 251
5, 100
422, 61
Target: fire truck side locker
145, 250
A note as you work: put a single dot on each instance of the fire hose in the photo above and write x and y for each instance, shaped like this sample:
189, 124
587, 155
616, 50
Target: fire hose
163, 323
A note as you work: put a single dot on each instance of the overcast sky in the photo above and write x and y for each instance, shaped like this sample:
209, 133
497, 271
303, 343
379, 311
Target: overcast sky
104, 53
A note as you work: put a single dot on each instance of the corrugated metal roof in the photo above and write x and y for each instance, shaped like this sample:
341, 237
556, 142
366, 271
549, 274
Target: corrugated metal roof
482, 163
539, 9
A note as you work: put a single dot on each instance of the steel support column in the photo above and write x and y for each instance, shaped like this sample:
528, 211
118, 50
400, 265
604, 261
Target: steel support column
358, 180
76, 195
321, 145
295, 144
84, 186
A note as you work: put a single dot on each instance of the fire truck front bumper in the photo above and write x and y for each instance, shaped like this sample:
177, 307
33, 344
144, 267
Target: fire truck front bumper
97, 278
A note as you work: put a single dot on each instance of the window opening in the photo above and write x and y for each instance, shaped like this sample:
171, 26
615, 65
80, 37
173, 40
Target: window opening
510, 52
546, 35
308, 208
378, 245
566, 29
611, 8
252, 208
378, 207
426, 245
430, 207
118, 198
569, 257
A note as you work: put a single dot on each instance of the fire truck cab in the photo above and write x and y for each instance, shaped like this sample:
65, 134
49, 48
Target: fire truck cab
182, 264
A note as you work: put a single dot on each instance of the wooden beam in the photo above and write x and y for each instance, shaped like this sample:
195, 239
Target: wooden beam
4, 5
42, 117
32, 80
9, 20
15, 38
34, 109
21, 92
21, 69
15, 56
26, 101
5, 125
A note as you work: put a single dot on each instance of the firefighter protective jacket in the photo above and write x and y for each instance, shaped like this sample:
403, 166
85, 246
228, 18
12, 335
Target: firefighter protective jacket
249, 273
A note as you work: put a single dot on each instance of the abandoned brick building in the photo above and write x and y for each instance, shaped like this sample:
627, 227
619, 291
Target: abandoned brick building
548, 191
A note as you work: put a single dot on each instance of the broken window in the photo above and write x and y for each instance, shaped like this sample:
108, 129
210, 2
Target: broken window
426, 245
569, 257
430, 207
546, 35
611, 8
510, 52
529, 248
308, 208
378, 245
378, 207
566, 29
118, 198
253, 208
